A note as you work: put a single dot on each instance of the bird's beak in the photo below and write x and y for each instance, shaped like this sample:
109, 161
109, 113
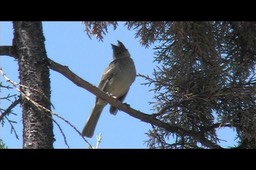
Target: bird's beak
120, 44
114, 46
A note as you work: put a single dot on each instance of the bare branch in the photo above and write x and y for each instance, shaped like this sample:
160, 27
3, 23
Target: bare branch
12, 127
37, 105
3, 86
8, 97
65, 71
8, 50
61, 131
90, 146
9, 109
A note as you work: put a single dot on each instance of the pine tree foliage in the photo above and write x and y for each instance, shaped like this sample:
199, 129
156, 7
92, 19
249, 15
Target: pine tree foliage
204, 80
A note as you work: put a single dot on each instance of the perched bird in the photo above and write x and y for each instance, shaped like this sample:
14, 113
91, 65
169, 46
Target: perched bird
116, 80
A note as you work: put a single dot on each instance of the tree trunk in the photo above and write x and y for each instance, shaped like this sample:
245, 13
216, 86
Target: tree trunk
35, 81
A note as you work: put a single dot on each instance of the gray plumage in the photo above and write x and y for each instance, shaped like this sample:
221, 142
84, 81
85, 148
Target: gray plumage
116, 80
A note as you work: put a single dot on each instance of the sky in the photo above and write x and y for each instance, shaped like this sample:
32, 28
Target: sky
67, 44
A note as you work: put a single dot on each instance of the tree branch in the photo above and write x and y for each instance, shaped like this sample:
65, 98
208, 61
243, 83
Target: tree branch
61, 131
65, 71
8, 50
12, 128
9, 109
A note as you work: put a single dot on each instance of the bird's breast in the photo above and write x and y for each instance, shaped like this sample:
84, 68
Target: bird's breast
120, 83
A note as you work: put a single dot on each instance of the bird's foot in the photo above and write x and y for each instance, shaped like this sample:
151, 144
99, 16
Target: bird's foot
110, 94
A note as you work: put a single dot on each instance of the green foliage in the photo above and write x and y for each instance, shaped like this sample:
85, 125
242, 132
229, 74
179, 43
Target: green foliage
204, 80
206, 68
2, 145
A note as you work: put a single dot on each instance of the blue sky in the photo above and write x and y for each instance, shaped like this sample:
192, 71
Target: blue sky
68, 44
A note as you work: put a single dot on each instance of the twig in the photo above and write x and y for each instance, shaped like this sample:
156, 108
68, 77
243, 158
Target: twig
99, 138
9, 109
12, 128
73, 128
8, 97
158, 137
3, 86
18, 85
61, 131
65, 71
40, 107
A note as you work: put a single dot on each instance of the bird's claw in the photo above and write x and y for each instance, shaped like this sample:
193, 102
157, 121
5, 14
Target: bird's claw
110, 94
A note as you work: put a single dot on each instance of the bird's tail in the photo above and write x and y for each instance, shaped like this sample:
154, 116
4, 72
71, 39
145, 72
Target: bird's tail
92, 121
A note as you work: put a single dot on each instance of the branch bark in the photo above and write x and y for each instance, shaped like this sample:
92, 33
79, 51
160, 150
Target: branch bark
9, 51
65, 71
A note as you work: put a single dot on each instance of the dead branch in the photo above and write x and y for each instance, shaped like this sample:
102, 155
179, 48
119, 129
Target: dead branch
65, 71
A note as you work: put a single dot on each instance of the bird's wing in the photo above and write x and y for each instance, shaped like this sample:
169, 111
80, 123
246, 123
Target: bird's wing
107, 76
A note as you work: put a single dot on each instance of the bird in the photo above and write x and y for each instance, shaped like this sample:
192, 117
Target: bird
116, 81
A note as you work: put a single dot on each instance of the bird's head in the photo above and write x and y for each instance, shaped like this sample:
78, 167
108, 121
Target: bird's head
119, 51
